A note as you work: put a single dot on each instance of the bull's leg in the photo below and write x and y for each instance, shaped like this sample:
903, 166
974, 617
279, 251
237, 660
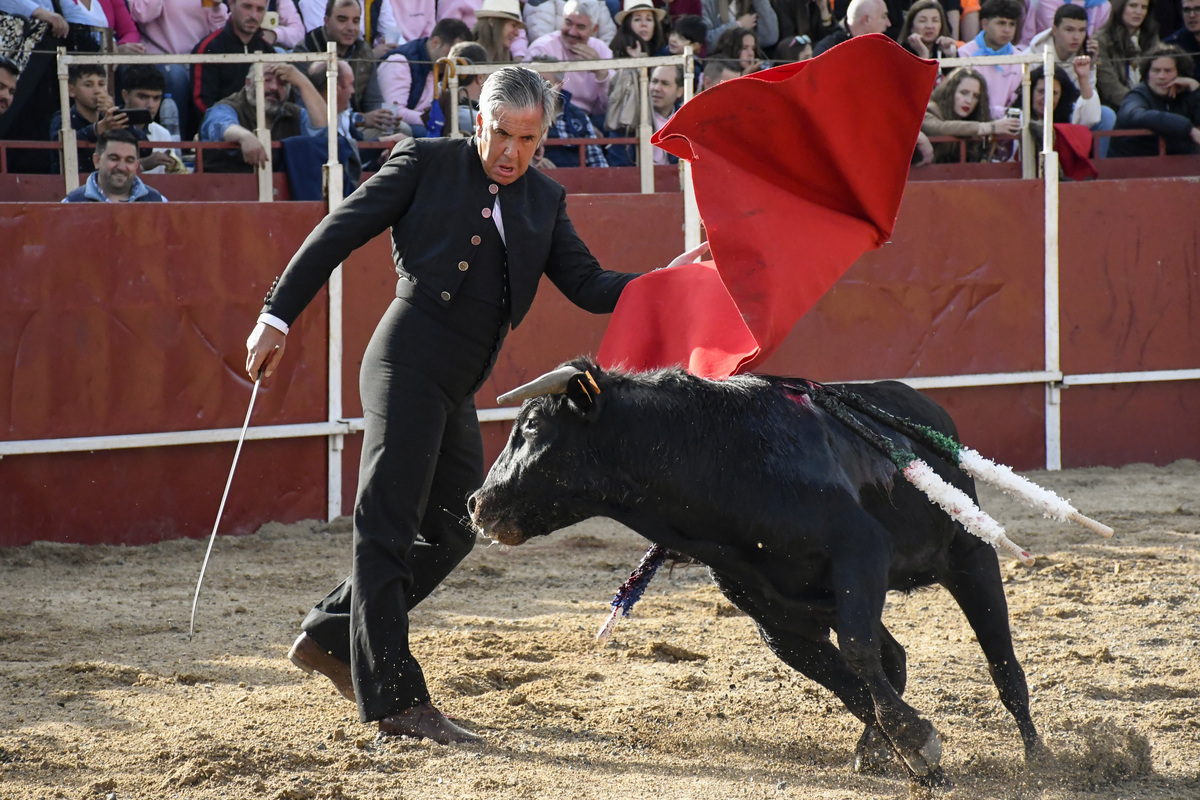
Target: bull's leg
873, 749
820, 661
860, 585
974, 581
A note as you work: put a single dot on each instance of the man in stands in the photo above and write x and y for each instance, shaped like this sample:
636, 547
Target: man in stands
142, 89
717, 72
569, 123
862, 17
577, 42
999, 20
406, 75
1187, 38
242, 34
233, 119
9, 73
342, 25
116, 177
666, 93
1073, 51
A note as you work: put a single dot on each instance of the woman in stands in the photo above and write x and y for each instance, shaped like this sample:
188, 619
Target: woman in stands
641, 31
497, 28
1167, 101
959, 108
739, 46
1131, 30
925, 31
1069, 105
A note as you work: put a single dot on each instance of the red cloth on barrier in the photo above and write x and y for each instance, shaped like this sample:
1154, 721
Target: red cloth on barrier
798, 170
1074, 146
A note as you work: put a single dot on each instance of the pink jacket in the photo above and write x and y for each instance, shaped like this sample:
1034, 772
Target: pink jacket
124, 31
174, 27
395, 80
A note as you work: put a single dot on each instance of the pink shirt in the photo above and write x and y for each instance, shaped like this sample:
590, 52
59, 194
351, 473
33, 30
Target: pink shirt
395, 80
414, 18
291, 28
660, 156
459, 9
175, 27
587, 91
1003, 80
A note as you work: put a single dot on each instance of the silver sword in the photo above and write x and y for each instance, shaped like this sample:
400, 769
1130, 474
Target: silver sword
228, 482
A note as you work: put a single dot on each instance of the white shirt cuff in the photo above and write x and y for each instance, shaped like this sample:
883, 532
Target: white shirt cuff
274, 321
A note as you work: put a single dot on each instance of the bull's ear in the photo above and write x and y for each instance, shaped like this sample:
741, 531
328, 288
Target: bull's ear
583, 394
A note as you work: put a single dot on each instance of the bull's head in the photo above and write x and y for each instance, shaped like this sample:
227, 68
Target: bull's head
546, 477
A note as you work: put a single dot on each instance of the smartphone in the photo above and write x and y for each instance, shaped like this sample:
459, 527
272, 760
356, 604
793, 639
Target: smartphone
135, 116
270, 20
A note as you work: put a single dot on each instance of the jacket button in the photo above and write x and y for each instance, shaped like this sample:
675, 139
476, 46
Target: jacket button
493, 188
487, 213
475, 240
445, 295
462, 266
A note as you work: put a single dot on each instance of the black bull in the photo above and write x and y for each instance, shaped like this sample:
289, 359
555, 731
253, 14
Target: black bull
803, 526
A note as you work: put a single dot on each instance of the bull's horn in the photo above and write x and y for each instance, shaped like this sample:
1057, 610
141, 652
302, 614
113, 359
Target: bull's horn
553, 382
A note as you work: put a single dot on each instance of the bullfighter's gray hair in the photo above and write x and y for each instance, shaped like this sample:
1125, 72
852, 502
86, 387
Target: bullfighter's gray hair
517, 88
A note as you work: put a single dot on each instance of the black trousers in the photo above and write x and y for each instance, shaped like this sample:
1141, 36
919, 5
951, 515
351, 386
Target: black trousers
422, 456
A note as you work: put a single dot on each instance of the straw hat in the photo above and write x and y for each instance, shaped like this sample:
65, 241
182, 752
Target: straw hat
635, 5
501, 9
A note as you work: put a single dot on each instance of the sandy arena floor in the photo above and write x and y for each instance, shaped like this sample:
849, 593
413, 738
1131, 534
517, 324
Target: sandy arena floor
109, 699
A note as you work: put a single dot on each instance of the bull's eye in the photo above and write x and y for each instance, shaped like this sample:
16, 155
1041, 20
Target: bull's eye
530, 427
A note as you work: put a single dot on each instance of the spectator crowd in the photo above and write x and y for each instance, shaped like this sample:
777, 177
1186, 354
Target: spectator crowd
1120, 64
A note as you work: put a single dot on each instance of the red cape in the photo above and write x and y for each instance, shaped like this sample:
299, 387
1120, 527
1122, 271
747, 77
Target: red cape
798, 170
1074, 146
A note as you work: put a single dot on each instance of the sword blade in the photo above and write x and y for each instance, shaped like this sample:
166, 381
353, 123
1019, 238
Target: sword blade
228, 482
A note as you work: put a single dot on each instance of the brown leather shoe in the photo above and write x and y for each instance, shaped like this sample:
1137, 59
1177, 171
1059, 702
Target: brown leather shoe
426, 722
308, 656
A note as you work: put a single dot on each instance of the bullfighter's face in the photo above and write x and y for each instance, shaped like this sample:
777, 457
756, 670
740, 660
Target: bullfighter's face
508, 141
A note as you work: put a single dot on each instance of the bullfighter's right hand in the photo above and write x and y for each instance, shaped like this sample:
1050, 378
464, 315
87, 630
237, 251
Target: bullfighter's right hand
264, 349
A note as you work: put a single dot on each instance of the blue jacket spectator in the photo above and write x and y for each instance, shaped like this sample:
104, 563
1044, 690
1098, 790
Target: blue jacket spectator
116, 177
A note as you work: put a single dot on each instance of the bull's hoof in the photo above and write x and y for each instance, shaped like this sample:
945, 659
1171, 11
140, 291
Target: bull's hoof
924, 760
923, 787
872, 753
1037, 754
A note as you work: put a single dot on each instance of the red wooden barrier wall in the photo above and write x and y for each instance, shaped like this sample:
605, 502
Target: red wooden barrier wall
122, 320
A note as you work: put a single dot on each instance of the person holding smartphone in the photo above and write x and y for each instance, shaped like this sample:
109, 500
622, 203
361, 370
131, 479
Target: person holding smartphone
142, 95
1075, 56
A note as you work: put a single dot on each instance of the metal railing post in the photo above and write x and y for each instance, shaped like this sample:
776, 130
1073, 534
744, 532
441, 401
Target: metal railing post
1052, 332
645, 131
70, 143
691, 211
333, 198
265, 194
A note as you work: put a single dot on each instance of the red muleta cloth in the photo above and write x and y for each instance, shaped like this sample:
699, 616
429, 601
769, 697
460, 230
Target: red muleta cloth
1073, 143
798, 171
